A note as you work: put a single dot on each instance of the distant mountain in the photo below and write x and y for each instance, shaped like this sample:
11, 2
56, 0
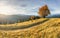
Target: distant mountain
20, 18
54, 16
13, 18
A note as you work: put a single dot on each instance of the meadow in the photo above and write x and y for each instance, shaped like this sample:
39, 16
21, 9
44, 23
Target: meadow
39, 28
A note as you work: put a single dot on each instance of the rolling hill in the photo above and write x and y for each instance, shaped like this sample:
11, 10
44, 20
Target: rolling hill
10, 19
39, 28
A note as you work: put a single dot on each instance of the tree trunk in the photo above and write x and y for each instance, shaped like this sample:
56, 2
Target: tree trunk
43, 16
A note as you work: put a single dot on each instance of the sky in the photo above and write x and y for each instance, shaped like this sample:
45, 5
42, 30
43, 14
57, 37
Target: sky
28, 7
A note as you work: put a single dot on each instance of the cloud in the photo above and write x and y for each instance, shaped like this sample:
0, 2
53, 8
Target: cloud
56, 11
29, 7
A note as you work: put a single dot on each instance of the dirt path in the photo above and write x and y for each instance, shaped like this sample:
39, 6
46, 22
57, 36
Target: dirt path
22, 27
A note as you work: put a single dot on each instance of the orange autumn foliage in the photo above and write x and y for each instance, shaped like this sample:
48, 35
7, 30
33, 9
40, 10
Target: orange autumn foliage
44, 11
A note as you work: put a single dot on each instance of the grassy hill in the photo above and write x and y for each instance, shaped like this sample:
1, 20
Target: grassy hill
39, 28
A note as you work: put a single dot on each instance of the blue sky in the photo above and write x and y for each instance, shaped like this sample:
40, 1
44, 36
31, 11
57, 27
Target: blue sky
28, 7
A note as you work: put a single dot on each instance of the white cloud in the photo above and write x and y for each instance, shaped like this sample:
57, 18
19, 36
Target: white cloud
6, 9
24, 7
55, 11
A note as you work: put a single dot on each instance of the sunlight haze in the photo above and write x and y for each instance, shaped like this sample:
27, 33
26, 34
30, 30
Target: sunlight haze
27, 7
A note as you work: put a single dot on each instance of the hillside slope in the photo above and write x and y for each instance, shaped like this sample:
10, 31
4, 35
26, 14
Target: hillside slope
11, 19
48, 28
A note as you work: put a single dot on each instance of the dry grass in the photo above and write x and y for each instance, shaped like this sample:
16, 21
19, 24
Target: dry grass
48, 29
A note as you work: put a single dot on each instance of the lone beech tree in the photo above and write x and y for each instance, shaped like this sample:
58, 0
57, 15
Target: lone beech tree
44, 11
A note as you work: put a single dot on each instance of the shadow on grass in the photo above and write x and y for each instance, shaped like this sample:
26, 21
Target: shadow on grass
22, 27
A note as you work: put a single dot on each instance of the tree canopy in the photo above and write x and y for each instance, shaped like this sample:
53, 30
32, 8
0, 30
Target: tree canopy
44, 11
